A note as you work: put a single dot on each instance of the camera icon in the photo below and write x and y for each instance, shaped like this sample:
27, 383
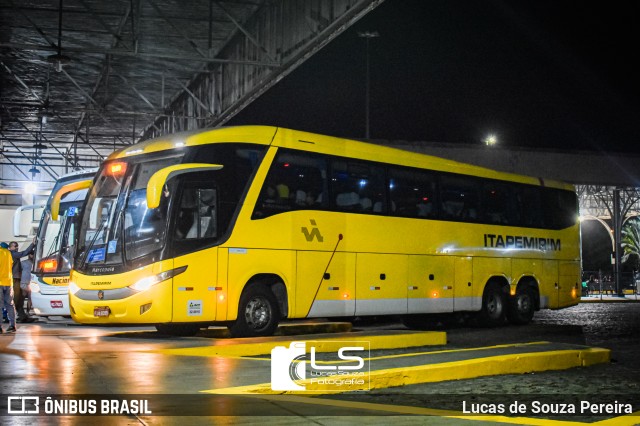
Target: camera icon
288, 367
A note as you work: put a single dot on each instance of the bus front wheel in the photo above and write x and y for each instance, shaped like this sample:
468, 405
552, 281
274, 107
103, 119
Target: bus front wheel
493, 309
258, 313
521, 306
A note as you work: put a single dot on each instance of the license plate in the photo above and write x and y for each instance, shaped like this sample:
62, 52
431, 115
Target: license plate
56, 304
101, 311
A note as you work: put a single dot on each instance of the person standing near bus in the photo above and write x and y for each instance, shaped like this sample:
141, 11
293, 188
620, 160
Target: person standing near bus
18, 295
6, 289
25, 280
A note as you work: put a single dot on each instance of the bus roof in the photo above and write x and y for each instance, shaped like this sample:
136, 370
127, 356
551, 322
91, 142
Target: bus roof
312, 142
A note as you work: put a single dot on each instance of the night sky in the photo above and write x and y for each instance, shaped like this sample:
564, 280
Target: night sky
549, 74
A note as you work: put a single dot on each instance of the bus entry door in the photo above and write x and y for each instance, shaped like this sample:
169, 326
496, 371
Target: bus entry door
194, 290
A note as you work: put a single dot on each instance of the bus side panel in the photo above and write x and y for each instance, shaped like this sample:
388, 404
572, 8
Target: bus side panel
569, 288
525, 267
244, 263
381, 284
194, 290
484, 268
223, 294
336, 289
549, 284
463, 286
430, 284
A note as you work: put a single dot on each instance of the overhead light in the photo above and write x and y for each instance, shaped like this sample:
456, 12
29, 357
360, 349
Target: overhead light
491, 140
34, 171
39, 146
58, 60
30, 188
43, 117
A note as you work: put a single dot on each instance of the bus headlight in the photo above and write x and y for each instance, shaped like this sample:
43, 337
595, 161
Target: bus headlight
34, 286
147, 282
73, 287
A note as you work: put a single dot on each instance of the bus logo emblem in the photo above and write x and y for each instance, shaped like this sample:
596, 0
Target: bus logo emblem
101, 295
314, 233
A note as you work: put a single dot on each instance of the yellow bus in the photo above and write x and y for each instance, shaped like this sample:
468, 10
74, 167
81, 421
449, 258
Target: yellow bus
246, 226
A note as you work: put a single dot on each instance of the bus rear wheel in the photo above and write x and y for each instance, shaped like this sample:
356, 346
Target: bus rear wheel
493, 309
521, 306
258, 313
181, 330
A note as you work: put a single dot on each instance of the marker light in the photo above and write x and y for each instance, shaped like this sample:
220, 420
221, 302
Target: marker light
434, 294
116, 169
48, 265
147, 282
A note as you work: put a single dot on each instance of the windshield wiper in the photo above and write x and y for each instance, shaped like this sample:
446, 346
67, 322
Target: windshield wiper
93, 241
54, 244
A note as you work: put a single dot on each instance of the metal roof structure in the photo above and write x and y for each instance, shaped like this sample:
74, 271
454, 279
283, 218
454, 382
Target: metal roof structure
81, 78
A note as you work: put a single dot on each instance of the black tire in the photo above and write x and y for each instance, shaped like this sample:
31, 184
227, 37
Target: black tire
522, 306
258, 313
180, 330
494, 306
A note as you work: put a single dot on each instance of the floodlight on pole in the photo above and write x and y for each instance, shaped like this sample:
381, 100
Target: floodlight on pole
490, 140
367, 35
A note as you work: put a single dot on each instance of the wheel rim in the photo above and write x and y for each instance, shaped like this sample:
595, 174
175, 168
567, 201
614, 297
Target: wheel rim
524, 303
258, 313
494, 306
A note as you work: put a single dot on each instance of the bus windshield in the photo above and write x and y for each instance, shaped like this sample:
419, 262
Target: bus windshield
117, 225
54, 251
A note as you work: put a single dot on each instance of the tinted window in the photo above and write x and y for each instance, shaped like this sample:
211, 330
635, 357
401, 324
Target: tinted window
357, 186
413, 192
460, 198
296, 180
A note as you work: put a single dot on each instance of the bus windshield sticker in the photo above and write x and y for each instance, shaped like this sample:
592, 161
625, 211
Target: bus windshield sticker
96, 255
111, 248
72, 211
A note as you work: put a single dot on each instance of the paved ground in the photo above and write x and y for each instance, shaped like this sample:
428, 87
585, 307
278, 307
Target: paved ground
59, 358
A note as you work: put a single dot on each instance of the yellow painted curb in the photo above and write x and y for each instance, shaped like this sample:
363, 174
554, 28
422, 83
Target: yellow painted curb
456, 370
392, 341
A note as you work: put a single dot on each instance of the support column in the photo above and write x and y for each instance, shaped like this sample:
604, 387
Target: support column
617, 237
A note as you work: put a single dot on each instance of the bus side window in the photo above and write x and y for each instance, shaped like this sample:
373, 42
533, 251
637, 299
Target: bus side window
412, 192
186, 219
295, 181
496, 200
357, 186
460, 198
197, 215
